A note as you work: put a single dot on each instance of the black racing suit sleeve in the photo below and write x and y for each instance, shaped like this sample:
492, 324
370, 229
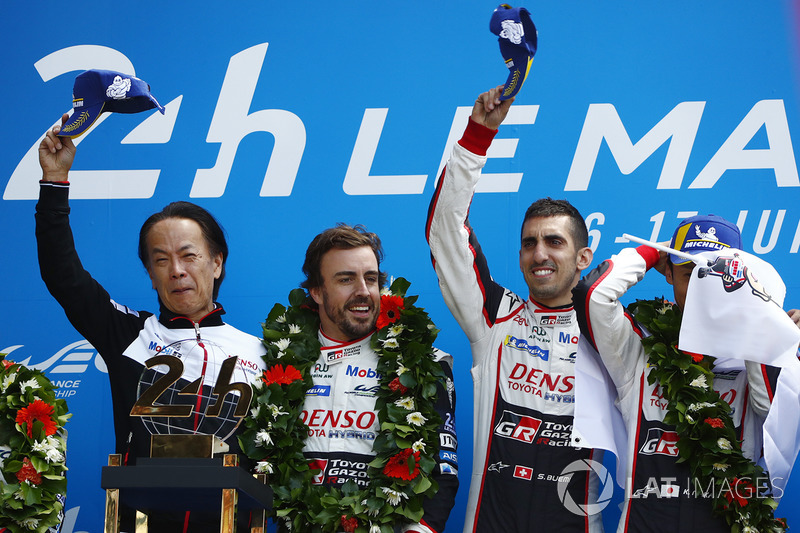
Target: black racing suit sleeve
437, 509
86, 303
108, 327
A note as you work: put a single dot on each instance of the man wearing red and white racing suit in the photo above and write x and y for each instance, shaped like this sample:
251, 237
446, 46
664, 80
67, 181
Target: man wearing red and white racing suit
342, 421
660, 495
343, 281
523, 350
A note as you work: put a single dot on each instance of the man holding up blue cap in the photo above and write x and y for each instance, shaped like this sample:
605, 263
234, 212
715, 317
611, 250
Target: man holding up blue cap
184, 250
683, 414
526, 475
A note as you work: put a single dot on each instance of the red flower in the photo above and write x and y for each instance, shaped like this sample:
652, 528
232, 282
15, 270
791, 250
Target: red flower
278, 375
741, 491
349, 524
390, 310
28, 473
7, 363
715, 422
404, 465
38, 410
395, 386
696, 357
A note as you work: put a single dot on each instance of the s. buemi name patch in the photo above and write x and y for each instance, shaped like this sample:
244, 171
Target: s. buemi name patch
339, 354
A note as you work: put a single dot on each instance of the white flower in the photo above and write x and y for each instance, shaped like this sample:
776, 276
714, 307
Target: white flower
394, 497
294, 328
699, 382
263, 438
29, 523
374, 528
418, 446
385, 291
276, 411
697, 406
54, 456
264, 467
396, 330
391, 343
29, 384
49, 447
407, 403
280, 355
431, 327
8, 381
255, 411
724, 444
371, 512
720, 466
281, 319
416, 418
401, 369
282, 344
690, 418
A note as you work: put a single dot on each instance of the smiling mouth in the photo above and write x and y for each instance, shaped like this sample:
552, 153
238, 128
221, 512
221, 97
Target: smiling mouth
542, 272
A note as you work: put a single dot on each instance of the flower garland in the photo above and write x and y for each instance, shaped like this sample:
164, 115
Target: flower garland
405, 449
707, 438
32, 427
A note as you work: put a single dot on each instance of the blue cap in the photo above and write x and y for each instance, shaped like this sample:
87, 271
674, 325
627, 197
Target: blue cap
518, 41
704, 233
96, 91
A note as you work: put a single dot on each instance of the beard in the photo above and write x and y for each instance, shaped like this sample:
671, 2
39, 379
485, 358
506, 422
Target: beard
351, 326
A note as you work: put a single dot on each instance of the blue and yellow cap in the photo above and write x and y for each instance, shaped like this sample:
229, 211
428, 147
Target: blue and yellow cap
518, 41
96, 91
704, 233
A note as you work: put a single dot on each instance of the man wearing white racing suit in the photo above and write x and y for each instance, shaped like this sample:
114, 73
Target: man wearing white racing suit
523, 349
342, 266
660, 496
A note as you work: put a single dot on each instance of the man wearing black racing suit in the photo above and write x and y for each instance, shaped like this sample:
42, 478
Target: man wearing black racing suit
523, 349
183, 249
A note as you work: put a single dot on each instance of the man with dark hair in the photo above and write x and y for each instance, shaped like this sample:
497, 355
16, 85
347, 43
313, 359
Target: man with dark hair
183, 249
523, 349
343, 282
669, 486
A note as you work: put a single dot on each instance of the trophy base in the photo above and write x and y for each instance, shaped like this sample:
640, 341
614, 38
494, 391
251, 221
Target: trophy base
194, 446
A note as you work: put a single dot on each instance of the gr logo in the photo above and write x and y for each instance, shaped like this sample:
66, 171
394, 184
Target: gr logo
660, 442
518, 427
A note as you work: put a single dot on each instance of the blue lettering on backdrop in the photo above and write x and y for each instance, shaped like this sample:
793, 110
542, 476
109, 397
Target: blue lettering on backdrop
289, 121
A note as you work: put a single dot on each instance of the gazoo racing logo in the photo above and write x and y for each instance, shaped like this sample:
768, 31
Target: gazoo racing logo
518, 427
660, 442
555, 320
522, 345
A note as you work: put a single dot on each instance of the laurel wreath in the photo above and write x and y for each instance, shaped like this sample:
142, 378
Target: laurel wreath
707, 438
32, 427
405, 449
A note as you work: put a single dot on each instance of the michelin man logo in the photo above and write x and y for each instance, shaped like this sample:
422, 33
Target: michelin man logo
512, 31
119, 89
710, 235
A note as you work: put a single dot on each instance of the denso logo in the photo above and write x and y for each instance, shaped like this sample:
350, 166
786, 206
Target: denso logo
541, 379
338, 419
361, 372
660, 442
518, 427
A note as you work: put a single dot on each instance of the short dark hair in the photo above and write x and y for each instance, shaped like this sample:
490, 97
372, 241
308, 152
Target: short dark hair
547, 207
342, 237
212, 231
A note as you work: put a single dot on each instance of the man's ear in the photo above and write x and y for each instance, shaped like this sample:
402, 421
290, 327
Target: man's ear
316, 294
668, 273
585, 257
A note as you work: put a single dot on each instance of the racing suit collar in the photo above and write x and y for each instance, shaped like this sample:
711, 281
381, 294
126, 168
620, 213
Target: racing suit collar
173, 321
536, 307
329, 342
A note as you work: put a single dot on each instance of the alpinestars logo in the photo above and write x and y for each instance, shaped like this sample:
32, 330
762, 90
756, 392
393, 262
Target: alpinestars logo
660, 442
734, 274
518, 427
